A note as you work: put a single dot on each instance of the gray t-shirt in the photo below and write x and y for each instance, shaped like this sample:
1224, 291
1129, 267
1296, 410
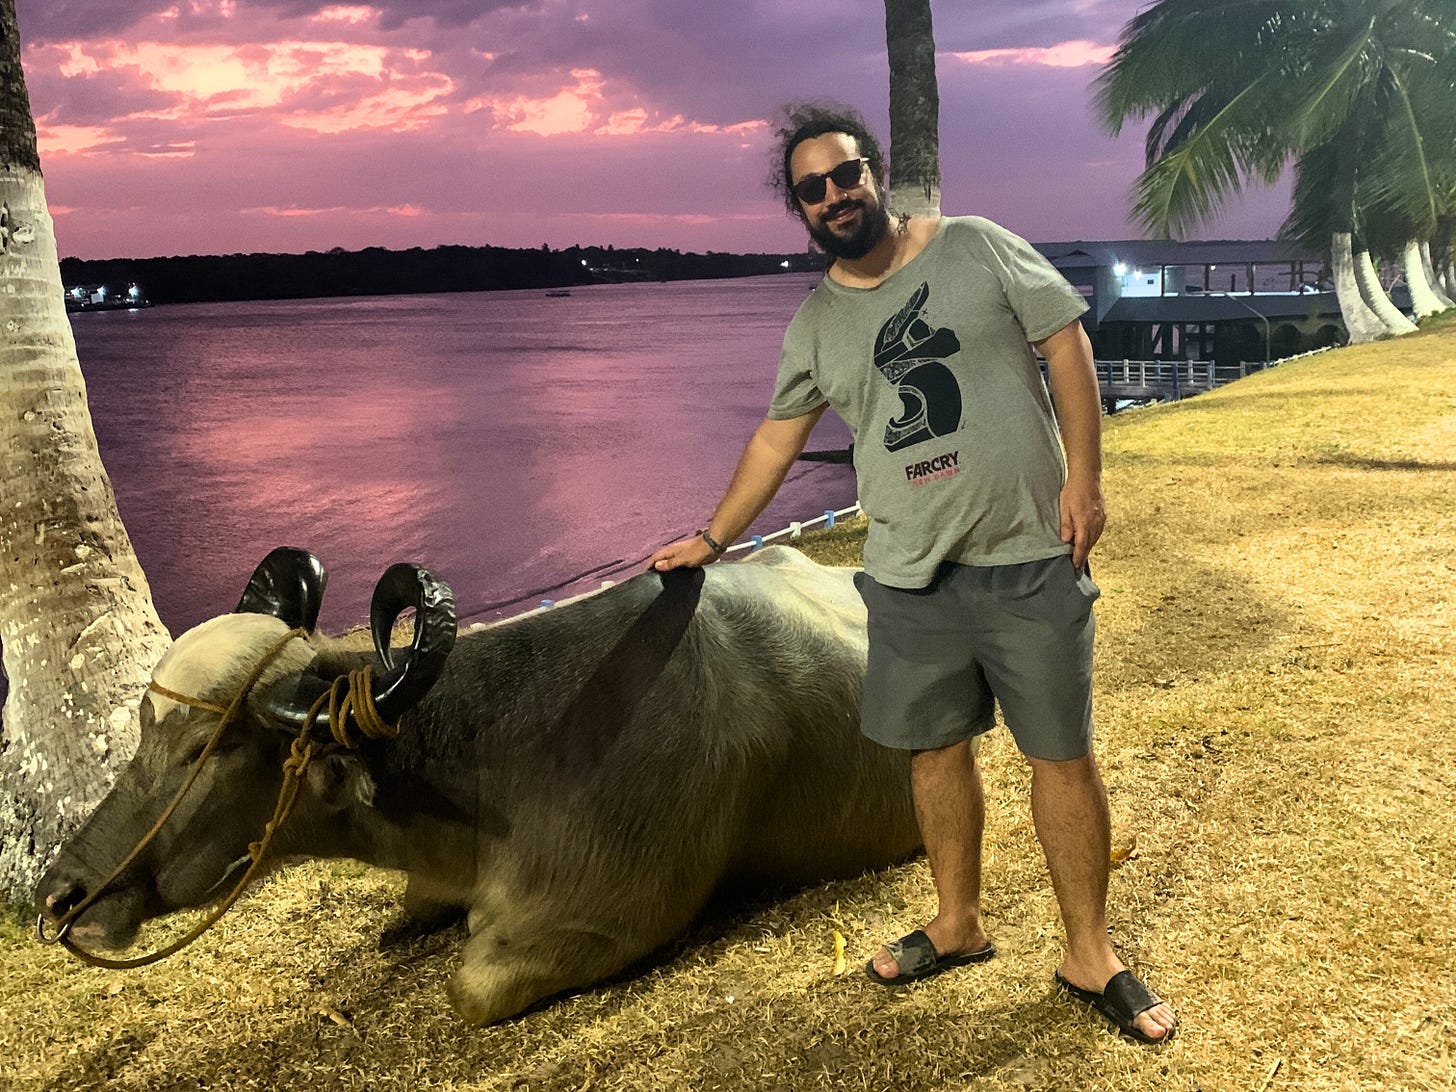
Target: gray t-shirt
956, 449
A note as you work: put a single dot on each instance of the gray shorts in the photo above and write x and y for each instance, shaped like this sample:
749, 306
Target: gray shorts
942, 657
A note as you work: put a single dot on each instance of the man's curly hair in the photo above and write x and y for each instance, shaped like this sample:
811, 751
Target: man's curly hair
806, 120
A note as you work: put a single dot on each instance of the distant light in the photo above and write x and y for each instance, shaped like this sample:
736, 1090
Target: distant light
783, 265
1137, 272
78, 292
102, 293
1213, 267
583, 261
135, 292
1120, 269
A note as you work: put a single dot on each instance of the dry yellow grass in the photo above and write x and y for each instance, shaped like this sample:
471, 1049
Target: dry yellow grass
1275, 726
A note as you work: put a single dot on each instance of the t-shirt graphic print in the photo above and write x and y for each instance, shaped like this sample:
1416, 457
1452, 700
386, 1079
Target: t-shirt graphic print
909, 352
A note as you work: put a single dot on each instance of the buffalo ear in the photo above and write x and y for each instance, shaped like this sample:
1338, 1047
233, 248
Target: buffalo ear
339, 781
288, 584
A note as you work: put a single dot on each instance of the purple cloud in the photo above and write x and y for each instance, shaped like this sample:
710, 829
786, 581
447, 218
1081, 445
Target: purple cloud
223, 125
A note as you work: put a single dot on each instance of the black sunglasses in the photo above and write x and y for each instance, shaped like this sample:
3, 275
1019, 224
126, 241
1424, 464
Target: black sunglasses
811, 188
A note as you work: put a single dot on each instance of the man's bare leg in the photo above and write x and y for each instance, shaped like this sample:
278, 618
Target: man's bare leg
1069, 805
951, 809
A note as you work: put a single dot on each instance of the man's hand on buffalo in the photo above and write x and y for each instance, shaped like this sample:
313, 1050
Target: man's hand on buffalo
689, 553
765, 461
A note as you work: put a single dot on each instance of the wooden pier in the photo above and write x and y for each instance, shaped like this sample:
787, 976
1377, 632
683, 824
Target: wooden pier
1166, 380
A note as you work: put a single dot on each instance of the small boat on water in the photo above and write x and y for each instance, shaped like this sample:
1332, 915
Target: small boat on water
557, 293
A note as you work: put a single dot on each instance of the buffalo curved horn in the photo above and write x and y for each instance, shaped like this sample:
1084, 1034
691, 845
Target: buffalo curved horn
408, 674
288, 584
404, 683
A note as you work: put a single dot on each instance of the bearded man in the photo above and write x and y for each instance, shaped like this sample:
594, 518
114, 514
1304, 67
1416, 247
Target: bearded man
984, 503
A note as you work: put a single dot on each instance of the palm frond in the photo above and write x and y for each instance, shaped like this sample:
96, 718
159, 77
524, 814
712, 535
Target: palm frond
1221, 144
1177, 49
1329, 83
1323, 197
1414, 163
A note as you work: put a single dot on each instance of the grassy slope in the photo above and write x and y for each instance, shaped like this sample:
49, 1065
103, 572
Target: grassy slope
1275, 728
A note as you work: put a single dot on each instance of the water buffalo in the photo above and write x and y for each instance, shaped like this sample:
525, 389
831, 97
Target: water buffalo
577, 781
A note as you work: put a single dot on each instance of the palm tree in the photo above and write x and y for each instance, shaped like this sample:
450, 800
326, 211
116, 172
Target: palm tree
1237, 91
1435, 279
79, 631
914, 108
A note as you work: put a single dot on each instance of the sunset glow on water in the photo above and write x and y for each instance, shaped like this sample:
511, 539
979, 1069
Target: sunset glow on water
509, 441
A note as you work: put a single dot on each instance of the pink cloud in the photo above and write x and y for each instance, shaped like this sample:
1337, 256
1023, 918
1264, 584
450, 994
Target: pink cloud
1076, 54
64, 140
305, 124
352, 14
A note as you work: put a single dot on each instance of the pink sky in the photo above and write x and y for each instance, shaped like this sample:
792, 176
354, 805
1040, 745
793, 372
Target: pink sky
221, 126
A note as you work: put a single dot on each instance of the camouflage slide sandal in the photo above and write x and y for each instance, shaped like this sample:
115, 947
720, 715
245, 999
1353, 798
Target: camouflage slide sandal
916, 957
1121, 1001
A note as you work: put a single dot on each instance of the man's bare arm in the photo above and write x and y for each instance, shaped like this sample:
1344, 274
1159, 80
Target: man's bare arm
1073, 381
766, 459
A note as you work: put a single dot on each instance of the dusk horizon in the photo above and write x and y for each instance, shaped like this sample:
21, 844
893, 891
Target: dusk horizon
286, 126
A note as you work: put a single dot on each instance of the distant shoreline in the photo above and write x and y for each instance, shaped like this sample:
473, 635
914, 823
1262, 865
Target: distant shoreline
375, 271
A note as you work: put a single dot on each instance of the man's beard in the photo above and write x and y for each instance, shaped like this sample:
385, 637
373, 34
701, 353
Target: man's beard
874, 224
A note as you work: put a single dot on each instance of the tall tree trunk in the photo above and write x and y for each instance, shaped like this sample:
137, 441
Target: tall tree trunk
1374, 296
914, 108
1424, 300
79, 632
1361, 322
1432, 279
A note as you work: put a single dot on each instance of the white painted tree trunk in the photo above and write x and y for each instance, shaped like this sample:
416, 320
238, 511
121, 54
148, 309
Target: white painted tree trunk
1374, 296
79, 631
1434, 281
1362, 324
1424, 300
1451, 281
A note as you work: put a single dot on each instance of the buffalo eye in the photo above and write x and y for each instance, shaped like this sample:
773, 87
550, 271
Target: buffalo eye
192, 752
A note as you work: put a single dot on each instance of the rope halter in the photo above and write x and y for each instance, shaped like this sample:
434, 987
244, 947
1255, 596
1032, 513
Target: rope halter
349, 705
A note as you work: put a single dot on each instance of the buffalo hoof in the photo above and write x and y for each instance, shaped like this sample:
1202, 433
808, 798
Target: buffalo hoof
412, 929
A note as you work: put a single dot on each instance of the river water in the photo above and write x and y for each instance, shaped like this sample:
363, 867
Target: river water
520, 446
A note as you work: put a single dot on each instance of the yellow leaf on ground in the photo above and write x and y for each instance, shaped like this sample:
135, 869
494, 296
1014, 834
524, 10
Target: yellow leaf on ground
840, 963
1120, 854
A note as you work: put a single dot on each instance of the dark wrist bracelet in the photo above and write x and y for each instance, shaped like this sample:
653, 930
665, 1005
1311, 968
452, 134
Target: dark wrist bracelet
713, 544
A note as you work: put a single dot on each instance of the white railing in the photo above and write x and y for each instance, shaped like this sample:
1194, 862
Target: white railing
794, 530
1182, 375
754, 542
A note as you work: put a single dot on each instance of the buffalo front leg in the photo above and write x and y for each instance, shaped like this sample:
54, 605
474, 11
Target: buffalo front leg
429, 907
501, 976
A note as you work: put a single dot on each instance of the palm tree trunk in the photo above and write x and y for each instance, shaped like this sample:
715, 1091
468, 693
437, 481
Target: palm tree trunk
1374, 296
1362, 324
79, 631
1432, 279
914, 108
1424, 300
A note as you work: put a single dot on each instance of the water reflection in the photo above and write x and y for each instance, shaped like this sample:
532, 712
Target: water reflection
504, 439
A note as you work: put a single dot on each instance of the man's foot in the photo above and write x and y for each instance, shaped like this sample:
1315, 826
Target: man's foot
915, 956
1128, 1005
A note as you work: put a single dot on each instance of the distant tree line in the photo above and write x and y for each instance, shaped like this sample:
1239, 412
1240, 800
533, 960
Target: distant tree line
377, 271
